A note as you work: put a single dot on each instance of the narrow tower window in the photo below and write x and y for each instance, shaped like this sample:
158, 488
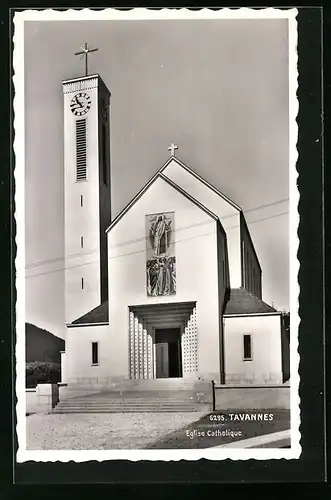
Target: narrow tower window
95, 353
82, 283
81, 200
81, 242
81, 171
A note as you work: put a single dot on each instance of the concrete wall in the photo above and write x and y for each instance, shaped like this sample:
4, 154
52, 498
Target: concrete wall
251, 271
79, 368
285, 356
266, 364
223, 289
228, 215
31, 401
81, 221
63, 366
47, 396
196, 268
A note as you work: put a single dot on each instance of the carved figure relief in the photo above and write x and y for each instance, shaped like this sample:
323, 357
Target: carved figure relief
161, 261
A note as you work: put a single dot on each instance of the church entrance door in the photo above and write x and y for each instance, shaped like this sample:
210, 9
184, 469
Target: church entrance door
168, 352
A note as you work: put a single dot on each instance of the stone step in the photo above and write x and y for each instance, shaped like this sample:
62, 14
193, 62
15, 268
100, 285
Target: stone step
155, 383
150, 392
154, 389
140, 408
122, 401
137, 386
138, 382
147, 395
127, 409
166, 382
125, 403
69, 393
134, 395
158, 382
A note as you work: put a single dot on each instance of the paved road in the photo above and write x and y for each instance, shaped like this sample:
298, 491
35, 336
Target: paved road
219, 428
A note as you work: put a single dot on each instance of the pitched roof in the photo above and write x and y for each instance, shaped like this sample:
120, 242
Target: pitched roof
240, 302
159, 174
243, 302
98, 315
201, 179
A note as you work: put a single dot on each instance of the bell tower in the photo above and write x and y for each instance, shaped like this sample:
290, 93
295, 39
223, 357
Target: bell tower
87, 191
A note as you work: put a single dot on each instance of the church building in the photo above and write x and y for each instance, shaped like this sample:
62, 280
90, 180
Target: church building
172, 286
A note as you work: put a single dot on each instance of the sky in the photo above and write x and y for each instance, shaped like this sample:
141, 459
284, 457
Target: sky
217, 88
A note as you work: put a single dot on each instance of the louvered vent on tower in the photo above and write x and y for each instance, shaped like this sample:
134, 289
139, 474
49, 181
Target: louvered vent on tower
81, 173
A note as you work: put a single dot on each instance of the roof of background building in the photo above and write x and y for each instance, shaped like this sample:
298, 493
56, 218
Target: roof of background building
243, 302
98, 315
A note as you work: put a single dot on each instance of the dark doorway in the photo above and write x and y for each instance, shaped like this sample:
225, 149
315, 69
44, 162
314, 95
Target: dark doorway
168, 353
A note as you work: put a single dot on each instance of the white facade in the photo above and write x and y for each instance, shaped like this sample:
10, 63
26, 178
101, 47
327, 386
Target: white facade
79, 367
197, 272
265, 366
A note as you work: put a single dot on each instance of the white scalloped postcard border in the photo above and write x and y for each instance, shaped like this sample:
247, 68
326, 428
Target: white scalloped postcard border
217, 453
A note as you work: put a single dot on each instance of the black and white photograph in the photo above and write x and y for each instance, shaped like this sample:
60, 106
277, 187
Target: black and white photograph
157, 217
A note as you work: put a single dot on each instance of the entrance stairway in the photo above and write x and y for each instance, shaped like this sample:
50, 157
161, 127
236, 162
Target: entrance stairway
155, 395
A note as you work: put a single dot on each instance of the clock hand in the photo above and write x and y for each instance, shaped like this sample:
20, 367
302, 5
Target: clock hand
80, 104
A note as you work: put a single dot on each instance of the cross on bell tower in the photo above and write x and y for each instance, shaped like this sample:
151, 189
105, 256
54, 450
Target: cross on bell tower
172, 148
85, 52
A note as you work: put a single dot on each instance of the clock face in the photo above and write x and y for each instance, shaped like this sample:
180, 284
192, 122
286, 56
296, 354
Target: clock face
104, 109
80, 104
